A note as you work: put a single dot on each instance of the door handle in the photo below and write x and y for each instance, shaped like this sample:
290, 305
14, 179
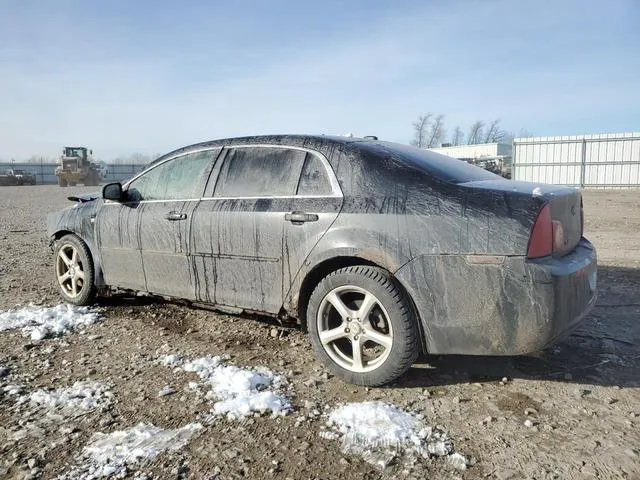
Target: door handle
174, 216
298, 218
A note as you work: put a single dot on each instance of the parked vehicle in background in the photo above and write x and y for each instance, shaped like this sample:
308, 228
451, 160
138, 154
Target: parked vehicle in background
25, 177
380, 250
7, 178
17, 177
77, 166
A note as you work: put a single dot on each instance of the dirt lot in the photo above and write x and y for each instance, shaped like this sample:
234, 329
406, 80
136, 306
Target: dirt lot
581, 396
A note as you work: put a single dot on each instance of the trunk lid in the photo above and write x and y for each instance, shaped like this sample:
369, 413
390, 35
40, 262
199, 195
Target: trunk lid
565, 203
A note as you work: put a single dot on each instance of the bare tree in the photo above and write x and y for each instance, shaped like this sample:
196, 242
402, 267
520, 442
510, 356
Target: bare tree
458, 136
420, 130
508, 137
524, 133
436, 132
475, 133
494, 133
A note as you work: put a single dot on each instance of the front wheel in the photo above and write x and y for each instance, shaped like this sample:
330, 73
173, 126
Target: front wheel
74, 270
362, 325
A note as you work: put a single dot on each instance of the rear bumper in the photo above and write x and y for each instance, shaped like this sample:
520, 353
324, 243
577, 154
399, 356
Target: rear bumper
508, 308
574, 280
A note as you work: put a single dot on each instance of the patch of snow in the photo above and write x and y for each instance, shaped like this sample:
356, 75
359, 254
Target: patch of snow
166, 390
329, 435
81, 395
43, 322
203, 366
12, 390
379, 432
171, 360
110, 455
238, 392
458, 461
537, 192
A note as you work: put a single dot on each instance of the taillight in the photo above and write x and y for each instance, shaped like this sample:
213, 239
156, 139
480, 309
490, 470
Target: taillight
541, 240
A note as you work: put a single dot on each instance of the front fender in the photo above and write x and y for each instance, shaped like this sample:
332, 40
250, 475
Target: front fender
80, 221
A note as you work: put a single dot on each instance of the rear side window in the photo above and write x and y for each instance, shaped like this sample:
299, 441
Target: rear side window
260, 172
177, 179
440, 166
314, 179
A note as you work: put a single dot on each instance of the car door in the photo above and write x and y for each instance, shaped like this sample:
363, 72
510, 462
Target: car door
161, 202
318, 197
119, 245
239, 230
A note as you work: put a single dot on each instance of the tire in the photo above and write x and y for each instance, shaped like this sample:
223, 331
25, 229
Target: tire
387, 337
74, 271
62, 182
72, 184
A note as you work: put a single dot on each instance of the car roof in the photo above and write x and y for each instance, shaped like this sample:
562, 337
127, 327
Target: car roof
294, 140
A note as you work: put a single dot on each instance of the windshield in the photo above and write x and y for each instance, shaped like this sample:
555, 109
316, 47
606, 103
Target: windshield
442, 167
75, 152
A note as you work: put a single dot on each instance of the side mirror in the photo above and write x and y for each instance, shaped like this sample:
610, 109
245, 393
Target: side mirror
112, 191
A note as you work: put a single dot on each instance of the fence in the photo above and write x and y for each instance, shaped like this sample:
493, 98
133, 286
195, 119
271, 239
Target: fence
589, 161
45, 172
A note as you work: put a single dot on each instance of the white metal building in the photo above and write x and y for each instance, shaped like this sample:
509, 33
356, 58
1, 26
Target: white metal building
479, 151
591, 161
494, 156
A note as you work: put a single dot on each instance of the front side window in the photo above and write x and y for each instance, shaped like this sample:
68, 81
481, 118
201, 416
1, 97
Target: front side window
260, 172
177, 179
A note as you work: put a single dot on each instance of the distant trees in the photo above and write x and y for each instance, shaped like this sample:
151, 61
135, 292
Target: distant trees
420, 127
429, 132
457, 137
475, 133
134, 158
436, 132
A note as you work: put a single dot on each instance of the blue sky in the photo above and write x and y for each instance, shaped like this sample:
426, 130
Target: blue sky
131, 76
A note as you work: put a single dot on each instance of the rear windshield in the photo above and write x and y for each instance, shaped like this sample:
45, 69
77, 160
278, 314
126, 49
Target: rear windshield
440, 166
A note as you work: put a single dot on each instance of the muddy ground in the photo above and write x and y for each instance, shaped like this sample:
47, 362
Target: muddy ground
584, 392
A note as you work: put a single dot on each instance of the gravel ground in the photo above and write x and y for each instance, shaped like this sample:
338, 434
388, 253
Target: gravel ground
580, 400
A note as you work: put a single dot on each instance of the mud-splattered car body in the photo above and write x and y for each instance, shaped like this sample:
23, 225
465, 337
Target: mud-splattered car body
457, 238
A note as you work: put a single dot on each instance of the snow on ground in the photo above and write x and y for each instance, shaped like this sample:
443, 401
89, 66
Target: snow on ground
43, 322
110, 455
238, 392
12, 390
81, 395
379, 432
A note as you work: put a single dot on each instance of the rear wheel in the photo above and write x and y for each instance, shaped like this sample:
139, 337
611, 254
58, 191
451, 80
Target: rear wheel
74, 270
362, 325
62, 182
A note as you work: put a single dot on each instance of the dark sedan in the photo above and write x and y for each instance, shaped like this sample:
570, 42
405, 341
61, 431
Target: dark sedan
380, 250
